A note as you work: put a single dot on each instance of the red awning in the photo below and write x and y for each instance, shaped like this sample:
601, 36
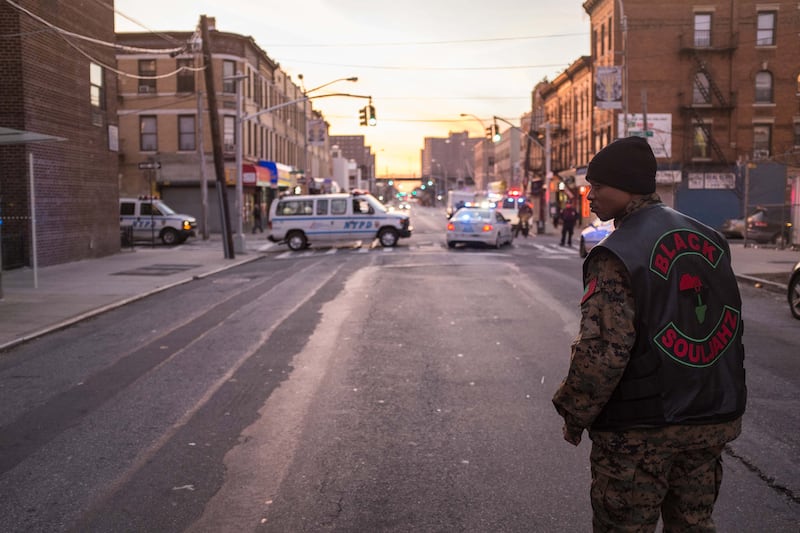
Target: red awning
255, 175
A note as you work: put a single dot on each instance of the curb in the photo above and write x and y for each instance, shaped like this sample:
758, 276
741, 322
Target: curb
769, 285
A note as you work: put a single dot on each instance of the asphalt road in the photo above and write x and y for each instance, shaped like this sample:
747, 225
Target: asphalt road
348, 389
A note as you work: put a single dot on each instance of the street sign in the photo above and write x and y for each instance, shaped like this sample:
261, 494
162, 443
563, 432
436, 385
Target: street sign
637, 133
150, 165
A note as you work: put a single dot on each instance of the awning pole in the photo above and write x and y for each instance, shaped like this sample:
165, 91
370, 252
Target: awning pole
32, 201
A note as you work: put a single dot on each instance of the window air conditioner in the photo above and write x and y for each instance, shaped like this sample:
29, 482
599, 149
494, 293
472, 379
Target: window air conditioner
145, 89
759, 155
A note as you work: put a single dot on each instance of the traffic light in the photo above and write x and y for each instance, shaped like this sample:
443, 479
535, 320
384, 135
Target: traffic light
490, 132
371, 120
362, 116
496, 134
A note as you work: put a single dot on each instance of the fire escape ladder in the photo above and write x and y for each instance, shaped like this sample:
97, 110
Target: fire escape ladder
701, 65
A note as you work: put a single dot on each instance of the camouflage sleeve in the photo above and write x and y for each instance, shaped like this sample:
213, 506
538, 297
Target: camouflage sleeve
602, 348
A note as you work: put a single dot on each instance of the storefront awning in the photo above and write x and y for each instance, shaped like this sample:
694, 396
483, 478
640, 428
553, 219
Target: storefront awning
12, 136
255, 175
280, 175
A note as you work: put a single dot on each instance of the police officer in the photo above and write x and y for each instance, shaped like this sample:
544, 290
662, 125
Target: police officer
657, 370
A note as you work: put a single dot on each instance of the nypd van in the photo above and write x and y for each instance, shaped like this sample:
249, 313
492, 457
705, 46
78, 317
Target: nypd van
147, 218
299, 221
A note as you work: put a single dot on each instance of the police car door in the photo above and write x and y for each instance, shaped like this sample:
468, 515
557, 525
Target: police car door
339, 219
145, 226
363, 224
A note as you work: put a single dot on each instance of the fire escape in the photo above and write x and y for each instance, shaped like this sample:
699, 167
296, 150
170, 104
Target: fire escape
715, 101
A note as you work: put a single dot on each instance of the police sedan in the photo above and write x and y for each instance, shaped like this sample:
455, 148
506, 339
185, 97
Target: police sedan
475, 225
594, 233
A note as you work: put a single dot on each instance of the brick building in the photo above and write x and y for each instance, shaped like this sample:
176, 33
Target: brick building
718, 83
58, 85
160, 99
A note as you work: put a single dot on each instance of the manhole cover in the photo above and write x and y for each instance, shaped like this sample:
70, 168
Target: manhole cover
156, 270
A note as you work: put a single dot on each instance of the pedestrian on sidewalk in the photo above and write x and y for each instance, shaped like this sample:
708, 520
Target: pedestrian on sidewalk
568, 218
657, 370
257, 225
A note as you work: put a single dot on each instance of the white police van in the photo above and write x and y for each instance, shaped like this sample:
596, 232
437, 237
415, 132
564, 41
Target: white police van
299, 221
147, 218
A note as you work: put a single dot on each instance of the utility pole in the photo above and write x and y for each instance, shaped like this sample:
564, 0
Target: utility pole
201, 149
213, 119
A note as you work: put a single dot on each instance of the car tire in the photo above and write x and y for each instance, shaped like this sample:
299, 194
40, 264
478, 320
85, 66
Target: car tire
388, 237
794, 296
582, 248
170, 237
451, 244
296, 240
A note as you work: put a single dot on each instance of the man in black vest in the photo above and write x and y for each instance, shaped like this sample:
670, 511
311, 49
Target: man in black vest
657, 369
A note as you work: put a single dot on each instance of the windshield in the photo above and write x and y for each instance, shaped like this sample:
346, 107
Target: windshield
469, 215
375, 203
163, 208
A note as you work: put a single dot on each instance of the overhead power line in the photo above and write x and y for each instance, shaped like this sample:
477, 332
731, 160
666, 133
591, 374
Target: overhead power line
63, 32
425, 43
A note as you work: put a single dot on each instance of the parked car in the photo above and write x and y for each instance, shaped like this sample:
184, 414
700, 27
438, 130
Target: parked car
763, 226
595, 232
476, 225
794, 291
147, 218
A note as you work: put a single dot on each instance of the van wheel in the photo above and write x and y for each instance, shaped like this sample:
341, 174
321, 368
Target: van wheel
296, 240
169, 237
387, 237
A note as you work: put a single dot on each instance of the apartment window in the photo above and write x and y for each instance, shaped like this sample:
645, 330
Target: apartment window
186, 133
228, 133
702, 29
602, 39
798, 84
185, 76
796, 127
765, 28
609, 33
763, 87
701, 93
147, 67
228, 71
97, 93
700, 143
148, 133
762, 140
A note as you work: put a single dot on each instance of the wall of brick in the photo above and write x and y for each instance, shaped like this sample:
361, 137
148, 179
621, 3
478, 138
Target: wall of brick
76, 182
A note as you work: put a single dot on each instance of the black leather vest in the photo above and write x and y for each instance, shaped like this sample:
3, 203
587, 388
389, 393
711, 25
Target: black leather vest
687, 365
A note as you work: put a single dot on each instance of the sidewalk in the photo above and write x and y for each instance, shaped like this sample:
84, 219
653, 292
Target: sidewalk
70, 292
74, 291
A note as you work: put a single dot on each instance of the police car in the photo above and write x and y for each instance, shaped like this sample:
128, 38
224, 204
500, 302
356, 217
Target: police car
148, 218
299, 221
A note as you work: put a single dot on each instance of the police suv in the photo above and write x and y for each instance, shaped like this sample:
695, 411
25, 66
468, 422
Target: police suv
148, 218
299, 221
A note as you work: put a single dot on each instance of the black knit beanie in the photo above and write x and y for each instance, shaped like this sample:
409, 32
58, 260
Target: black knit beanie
627, 164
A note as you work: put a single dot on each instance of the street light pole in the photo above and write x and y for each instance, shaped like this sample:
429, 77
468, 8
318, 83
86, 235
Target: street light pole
484, 154
306, 169
624, 24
